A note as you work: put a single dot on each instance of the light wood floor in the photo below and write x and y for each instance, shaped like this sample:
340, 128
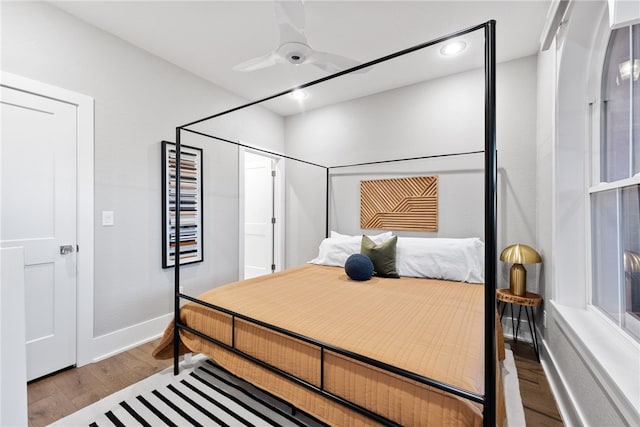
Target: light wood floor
56, 396
539, 405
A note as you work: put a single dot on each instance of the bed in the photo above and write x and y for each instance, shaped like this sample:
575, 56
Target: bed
432, 328
444, 371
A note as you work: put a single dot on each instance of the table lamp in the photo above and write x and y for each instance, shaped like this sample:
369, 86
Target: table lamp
519, 254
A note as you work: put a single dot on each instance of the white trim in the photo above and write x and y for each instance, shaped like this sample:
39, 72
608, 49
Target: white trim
623, 13
565, 400
594, 88
592, 162
604, 186
241, 207
13, 350
280, 214
555, 15
85, 228
85, 193
553, 273
616, 371
110, 344
278, 234
600, 316
261, 151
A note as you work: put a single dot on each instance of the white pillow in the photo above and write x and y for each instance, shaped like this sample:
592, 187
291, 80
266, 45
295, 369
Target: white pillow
336, 249
460, 260
378, 238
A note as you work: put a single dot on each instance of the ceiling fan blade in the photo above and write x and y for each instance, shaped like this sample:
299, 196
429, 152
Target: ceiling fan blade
290, 17
291, 12
290, 34
333, 63
259, 62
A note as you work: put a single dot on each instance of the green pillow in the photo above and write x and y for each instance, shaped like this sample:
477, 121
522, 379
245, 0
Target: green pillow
382, 255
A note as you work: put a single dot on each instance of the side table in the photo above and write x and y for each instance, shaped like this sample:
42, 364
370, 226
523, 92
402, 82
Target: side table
528, 301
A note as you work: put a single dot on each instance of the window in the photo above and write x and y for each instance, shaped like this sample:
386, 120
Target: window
615, 200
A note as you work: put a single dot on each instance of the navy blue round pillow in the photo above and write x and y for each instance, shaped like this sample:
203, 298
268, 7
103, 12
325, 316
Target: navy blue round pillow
359, 267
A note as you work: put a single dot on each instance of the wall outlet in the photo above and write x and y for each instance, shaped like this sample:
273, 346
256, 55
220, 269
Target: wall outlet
181, 289
544, 318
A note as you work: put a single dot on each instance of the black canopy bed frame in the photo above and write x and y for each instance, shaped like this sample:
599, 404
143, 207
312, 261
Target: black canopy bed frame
488, 400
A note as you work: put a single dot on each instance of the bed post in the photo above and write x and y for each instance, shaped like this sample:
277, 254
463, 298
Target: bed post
326, 205
176, 264
489, 415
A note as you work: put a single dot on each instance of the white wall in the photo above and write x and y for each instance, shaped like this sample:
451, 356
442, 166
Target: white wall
139, 100
544, 167
305, 211
460, 192
440, 116
221, 210
435, 117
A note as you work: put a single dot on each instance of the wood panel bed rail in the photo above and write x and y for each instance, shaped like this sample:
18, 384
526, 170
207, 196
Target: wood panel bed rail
322, 347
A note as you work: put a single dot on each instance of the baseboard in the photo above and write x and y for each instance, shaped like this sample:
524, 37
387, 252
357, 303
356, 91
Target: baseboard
523, 333
565, 400
127, 338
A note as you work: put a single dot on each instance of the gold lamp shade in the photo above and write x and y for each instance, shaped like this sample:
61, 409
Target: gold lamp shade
519, 254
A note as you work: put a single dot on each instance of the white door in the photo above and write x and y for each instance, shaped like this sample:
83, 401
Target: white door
258, 214
38, 212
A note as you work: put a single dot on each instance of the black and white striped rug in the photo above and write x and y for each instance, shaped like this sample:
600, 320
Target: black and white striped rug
205, 395
201, 395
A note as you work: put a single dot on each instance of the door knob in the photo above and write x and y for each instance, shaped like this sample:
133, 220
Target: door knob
66, 249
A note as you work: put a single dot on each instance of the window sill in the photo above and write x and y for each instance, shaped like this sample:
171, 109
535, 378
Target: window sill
612, 357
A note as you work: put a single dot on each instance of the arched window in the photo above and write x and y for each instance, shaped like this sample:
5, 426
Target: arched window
615, 200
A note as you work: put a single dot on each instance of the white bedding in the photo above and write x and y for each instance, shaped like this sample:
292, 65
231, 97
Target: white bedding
461, 260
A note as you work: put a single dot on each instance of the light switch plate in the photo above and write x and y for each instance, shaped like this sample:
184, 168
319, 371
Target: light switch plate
107, 218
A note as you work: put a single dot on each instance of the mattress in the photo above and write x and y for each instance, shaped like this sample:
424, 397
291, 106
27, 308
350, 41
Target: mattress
433, 328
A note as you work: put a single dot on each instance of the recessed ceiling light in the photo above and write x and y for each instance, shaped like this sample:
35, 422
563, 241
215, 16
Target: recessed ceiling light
453, 48
299, 94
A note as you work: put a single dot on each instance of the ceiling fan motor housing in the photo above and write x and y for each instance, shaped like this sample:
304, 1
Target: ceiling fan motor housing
295, 53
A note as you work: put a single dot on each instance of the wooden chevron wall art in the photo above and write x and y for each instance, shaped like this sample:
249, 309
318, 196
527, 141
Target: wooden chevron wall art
400, 204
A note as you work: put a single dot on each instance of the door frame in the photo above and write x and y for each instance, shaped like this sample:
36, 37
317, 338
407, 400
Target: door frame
278, 194
85, 202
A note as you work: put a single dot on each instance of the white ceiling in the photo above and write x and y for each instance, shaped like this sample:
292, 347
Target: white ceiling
208, 38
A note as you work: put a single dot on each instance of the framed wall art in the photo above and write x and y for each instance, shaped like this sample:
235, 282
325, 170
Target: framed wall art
190, 245
400, 204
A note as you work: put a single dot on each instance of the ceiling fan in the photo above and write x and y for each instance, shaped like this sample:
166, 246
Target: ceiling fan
294, 47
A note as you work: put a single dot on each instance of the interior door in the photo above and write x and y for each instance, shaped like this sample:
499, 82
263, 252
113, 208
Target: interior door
258, 215
38, 212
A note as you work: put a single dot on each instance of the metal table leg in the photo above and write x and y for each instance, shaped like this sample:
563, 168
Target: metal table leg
519, 313
513, 326
504, 305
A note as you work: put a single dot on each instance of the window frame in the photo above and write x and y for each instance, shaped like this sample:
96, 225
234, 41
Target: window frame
597, 135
